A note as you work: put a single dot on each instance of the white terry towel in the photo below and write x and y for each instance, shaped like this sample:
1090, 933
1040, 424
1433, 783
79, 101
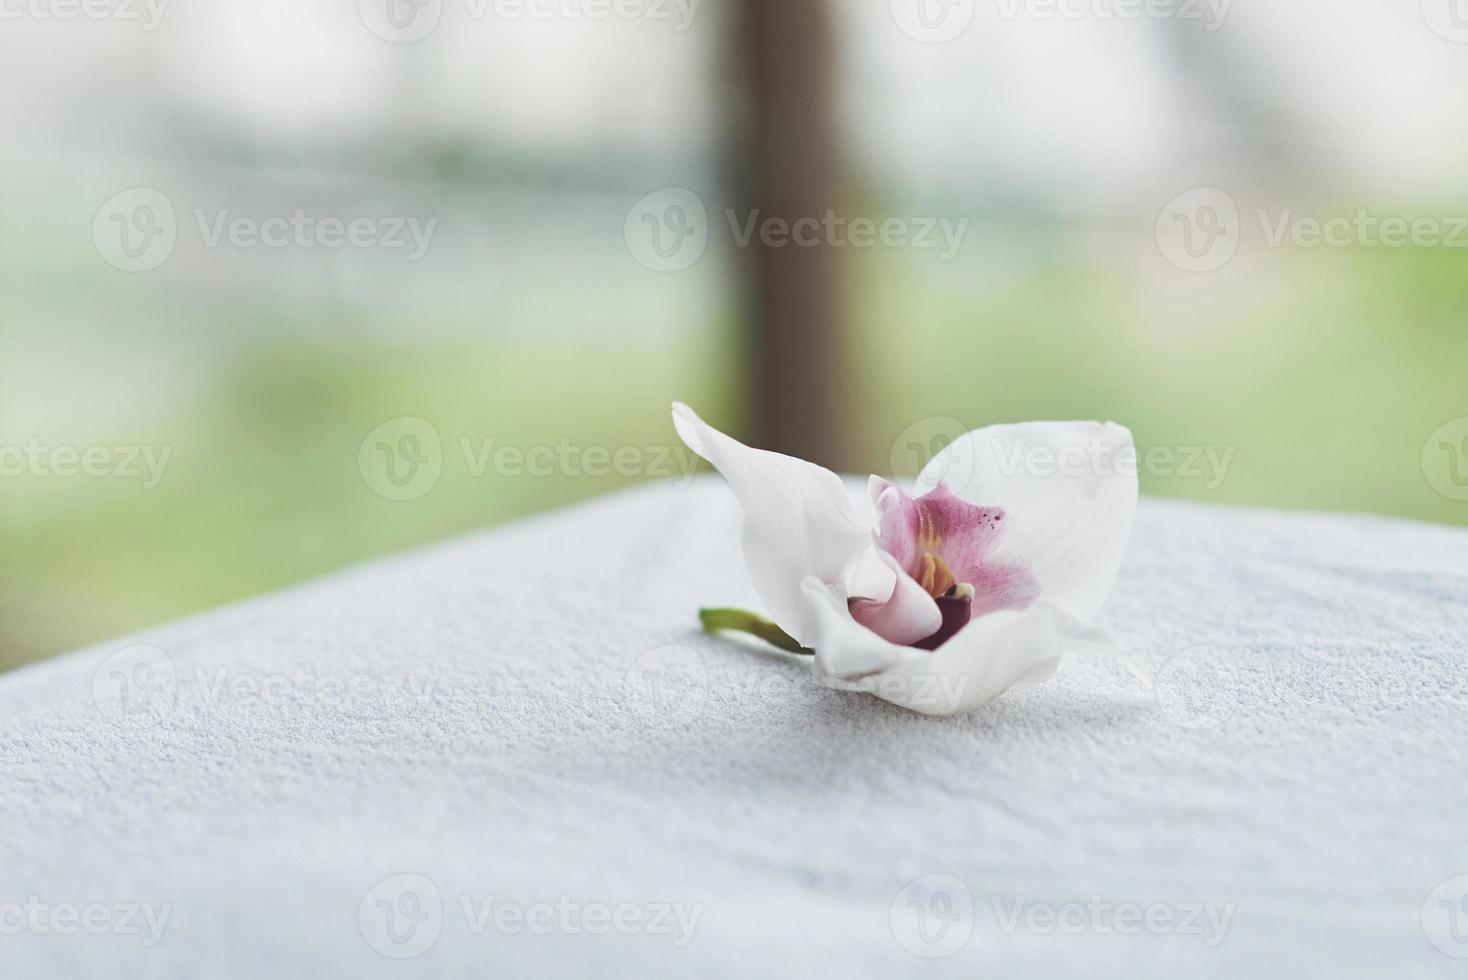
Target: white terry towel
514, 755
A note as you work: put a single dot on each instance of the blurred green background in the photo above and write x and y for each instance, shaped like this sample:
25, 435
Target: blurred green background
531, 323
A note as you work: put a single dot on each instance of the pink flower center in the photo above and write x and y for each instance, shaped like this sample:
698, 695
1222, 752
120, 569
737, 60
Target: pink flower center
947, 546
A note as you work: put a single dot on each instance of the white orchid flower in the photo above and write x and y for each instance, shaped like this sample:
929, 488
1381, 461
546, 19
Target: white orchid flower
941, 601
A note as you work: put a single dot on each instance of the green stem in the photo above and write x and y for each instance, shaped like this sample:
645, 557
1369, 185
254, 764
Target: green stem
741, 621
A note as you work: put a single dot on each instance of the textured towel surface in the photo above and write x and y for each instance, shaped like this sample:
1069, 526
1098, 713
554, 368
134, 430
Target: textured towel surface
488, 752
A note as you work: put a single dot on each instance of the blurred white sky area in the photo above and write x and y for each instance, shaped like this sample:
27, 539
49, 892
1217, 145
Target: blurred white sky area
1062, 103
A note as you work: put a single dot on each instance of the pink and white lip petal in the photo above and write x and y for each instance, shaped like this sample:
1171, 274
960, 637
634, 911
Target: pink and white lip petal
1040, 543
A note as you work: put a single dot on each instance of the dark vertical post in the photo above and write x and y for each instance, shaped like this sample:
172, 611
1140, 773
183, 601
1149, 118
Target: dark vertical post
791, 171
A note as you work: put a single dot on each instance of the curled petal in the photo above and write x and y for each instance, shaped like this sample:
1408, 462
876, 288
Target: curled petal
909, 616
799, 522
1068, 491
986, 658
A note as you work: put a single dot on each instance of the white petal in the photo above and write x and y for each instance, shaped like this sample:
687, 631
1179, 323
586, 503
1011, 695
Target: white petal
799, 521
989, 656
1069, 492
